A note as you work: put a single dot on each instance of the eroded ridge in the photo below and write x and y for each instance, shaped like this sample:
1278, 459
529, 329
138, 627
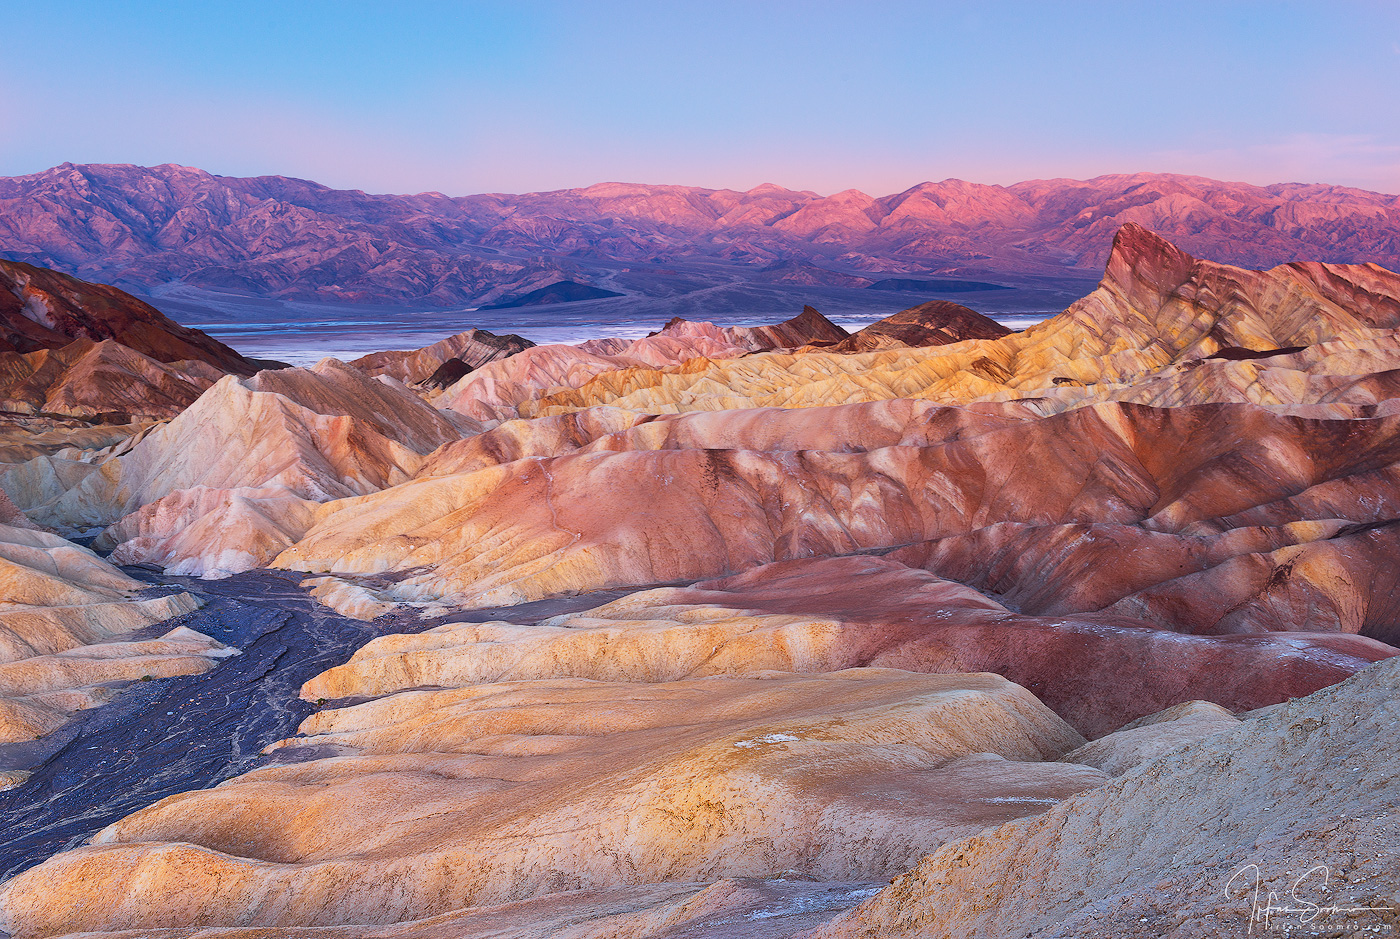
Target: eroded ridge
1062, 630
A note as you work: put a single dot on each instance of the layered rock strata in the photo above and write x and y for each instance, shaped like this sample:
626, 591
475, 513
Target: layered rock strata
936, 323
45, 309
499, 390
1287, 821
483, 794
470, 350
673, 500
101, 381
602, 807
1163, 328
72, 626
1077, 623
820, 615
74, 349
23, 437
234, 477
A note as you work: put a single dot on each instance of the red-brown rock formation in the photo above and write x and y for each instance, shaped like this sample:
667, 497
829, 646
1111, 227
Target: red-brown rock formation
497, 390
43, 309
11, 515
936, 323
533, 532
880, 616
104, 380
807, 327
1151, 333
471, 349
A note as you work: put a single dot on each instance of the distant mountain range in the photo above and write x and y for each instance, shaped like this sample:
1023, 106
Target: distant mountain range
146, 228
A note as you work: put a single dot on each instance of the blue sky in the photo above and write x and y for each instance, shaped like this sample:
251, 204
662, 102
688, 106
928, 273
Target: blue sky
520, 96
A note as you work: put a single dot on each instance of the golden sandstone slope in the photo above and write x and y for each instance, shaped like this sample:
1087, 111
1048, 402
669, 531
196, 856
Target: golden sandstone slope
443, 799
497, 389
71, 625
1285, 822
1087, 618
84, 371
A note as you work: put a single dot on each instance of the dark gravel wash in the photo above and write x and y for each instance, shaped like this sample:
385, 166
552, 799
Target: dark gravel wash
173, 735
162, 737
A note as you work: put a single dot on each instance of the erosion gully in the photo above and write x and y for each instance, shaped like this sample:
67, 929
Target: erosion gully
166, 736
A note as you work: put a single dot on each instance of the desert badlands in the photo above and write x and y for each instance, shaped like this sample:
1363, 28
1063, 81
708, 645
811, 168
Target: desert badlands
934, 629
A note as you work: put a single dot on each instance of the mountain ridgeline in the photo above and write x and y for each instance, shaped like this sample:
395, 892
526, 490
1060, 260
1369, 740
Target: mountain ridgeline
272, 236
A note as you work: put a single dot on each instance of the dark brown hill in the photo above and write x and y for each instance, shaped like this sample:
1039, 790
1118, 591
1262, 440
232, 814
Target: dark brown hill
564, 291
936, 323
43, 309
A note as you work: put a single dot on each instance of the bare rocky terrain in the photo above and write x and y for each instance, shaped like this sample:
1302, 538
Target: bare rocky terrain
935, 629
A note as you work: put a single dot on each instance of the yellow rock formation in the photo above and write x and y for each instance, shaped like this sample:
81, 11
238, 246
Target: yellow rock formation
64, 613
1148, 334
447, 798
891, 594
1298, 804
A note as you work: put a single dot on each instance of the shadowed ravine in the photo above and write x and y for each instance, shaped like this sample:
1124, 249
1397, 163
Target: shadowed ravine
159, 738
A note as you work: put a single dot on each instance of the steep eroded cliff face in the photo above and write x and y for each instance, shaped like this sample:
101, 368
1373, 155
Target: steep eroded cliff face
70, 349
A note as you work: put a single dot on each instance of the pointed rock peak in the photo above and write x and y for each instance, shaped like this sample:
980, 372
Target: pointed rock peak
818, 326
851, 195
804, 328
673, 324
764, 189
1140, 255
1132, 237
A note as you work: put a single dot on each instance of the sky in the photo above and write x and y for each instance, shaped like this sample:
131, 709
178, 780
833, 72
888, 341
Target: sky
525, 96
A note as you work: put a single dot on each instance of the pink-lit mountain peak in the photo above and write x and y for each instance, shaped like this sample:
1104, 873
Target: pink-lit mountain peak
287, 237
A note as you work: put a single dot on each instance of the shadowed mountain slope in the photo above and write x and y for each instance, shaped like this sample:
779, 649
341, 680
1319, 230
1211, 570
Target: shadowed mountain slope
936, 323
